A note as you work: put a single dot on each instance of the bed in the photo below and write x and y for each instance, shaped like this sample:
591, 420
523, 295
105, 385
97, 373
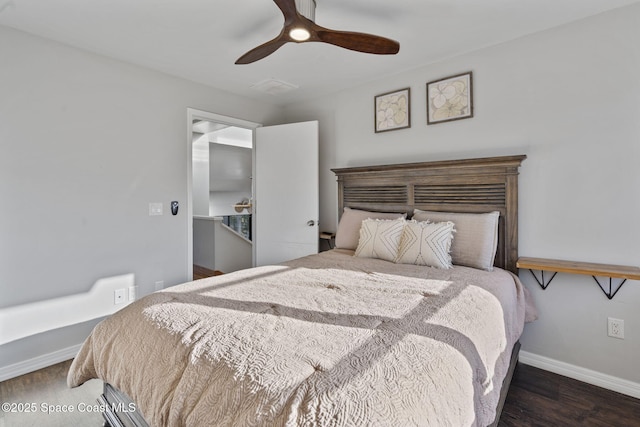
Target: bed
331, 339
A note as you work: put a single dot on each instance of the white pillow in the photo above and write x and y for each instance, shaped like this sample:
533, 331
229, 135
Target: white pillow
426, 243
476, 239
380, 238
348, 232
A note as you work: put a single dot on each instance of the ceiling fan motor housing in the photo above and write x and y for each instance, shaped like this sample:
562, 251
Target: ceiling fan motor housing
307, 8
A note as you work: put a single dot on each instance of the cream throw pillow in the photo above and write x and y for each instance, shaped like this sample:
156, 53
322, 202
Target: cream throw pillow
426, 243
348, 232
476, 238
380, 238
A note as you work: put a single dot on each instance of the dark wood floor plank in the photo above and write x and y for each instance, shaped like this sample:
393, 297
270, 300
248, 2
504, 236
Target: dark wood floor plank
541, 398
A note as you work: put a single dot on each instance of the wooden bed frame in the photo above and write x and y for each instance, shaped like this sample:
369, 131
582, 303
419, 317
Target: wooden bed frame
471, 185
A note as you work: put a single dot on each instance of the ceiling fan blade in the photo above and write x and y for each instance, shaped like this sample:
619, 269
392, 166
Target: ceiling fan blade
361, 42
262, 51
288, 8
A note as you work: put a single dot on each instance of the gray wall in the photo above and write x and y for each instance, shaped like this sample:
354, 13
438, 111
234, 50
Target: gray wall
80, 162
567, 98
86, 143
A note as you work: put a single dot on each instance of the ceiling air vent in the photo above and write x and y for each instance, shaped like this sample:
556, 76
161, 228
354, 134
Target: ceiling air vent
273, 86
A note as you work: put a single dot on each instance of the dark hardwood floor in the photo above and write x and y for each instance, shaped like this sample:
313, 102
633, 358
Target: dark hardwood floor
539, 398
536, 398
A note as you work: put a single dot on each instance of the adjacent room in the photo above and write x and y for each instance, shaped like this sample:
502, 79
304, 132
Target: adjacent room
319, 212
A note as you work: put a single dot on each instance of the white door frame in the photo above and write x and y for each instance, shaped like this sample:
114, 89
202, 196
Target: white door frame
193, 114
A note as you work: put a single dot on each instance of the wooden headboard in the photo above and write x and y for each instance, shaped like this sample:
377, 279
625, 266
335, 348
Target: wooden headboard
469, 185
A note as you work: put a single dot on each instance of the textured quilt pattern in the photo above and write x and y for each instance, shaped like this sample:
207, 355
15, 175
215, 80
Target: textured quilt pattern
327, 340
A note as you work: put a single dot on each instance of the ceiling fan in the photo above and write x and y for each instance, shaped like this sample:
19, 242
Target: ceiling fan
300, 28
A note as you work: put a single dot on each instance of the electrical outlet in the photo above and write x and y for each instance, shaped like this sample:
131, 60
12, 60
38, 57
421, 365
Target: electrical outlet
118, 296
615, 328
159, 285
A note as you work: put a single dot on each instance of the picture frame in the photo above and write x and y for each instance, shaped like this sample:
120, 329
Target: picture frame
450, 98
392, 110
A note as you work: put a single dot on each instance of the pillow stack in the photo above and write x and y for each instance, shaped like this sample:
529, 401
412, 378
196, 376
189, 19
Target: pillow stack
427, 239
476, 239
348, 233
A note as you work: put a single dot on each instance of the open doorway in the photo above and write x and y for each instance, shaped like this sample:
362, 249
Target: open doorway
221, 194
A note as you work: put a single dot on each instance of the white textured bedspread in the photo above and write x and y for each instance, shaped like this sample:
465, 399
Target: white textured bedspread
326, 340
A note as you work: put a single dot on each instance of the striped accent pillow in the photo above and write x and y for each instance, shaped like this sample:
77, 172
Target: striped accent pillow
380, 238
426, 243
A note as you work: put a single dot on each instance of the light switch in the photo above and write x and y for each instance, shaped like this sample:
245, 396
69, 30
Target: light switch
133, 290
155, 209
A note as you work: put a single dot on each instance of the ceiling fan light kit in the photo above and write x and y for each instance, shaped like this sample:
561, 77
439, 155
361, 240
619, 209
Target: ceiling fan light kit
299, 27
299, 34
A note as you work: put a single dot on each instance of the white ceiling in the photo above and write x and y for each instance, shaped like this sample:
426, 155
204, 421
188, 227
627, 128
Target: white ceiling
200, 40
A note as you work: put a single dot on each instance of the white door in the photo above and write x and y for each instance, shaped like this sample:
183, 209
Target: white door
286, 192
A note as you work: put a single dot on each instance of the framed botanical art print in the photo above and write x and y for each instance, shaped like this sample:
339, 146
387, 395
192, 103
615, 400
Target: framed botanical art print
392, 110
450, 99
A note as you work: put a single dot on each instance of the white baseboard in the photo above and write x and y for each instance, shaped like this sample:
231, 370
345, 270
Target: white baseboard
21, 368
588, 376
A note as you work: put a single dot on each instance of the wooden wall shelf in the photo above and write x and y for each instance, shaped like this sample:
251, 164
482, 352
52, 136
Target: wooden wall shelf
594, 270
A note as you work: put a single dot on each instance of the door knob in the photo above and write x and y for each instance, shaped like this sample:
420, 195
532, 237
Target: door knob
311, 223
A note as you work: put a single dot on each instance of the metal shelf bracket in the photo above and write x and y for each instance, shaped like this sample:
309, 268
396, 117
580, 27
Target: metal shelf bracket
611, 293
620, 273
541, 281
